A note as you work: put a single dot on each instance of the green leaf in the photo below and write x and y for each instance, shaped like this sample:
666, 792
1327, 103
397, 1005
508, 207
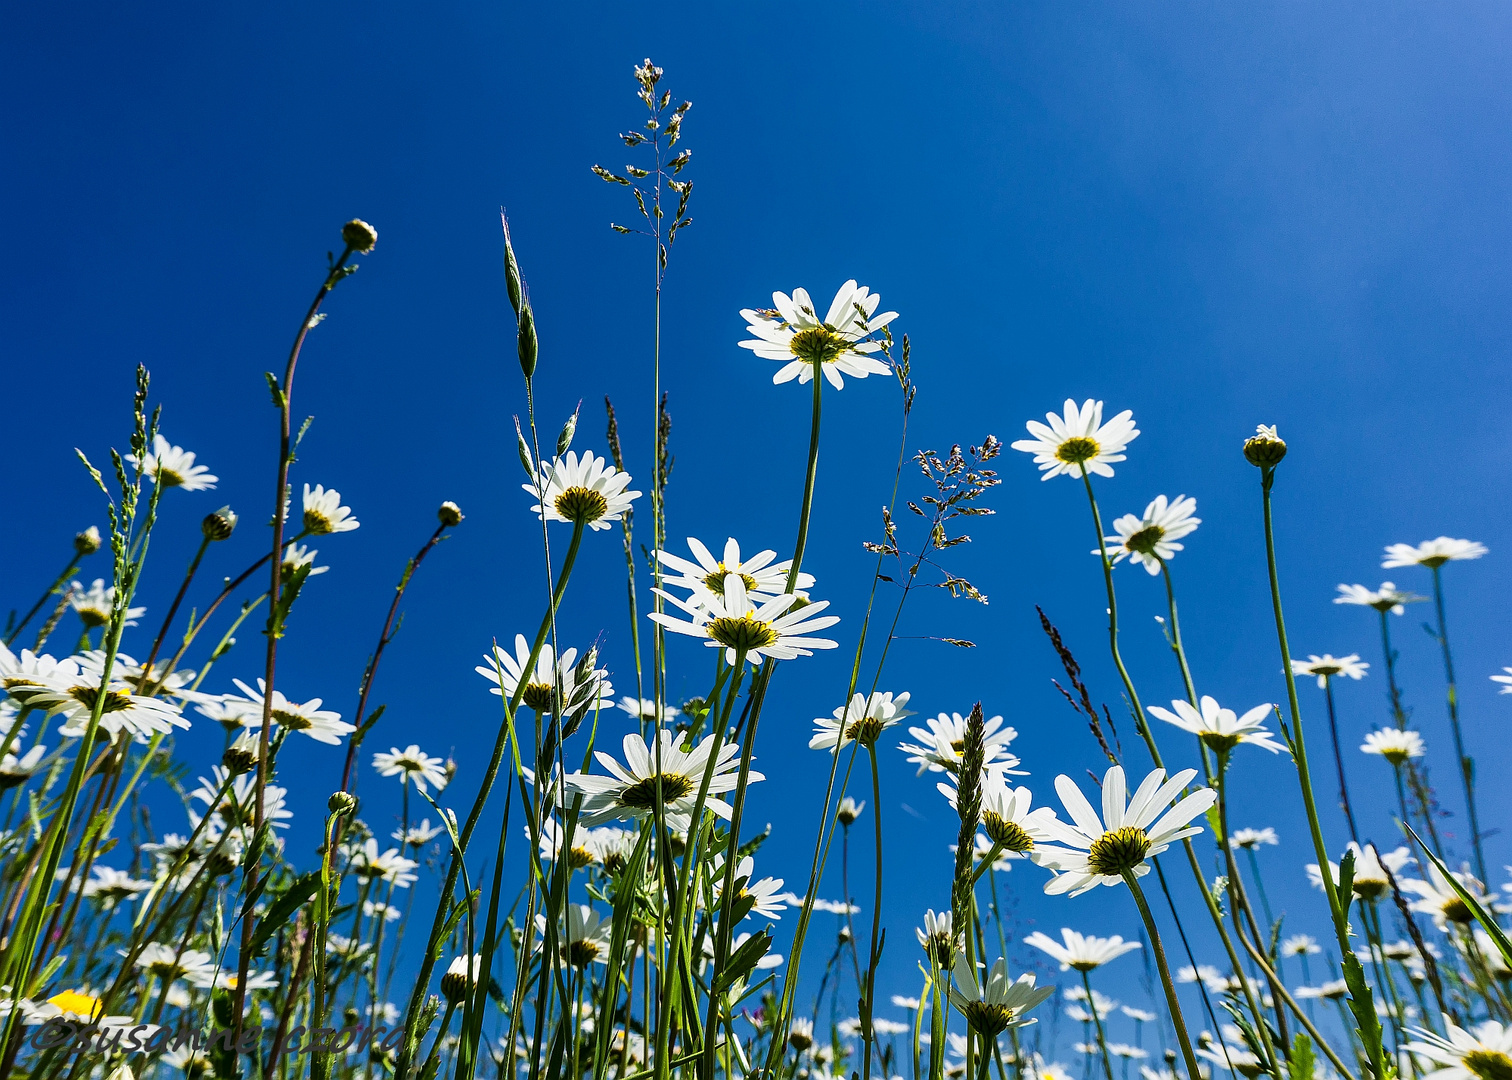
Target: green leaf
1488, 924
1302, 1062
743, 961
283, 909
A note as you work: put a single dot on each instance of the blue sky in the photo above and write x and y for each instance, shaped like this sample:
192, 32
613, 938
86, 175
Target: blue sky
1216, 217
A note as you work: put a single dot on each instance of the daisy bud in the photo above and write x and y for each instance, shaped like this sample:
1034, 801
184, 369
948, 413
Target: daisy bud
450, 514
528, 345
459, 977
219, 525
849, 811
1264, 449
88, 541
341, 803
359, 236
241, 756
569, 429
451, 769
221, 863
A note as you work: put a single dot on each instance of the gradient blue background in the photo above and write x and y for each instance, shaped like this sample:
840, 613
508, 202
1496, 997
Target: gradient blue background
1293, 214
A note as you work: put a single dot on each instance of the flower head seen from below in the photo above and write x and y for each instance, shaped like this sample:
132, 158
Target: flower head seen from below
585, 936
1432, 553
1483, 1052
1371, 880
412, 764
1328, 666
94, 604
1396, 746
1438, 899
323, 512
647, 709
862, 720
1078, 441
1083, 952
583, 490
76, 696
630, 790
171, 466
1505, 680
297, 556
791, 333
1387, 598
308, 717
997, 1004
1300, 945
763, 579
1091, 850
1250, 839
936, 938
1220, 729
571, 690
1011, 826
943, 738
1150, 540
777, 628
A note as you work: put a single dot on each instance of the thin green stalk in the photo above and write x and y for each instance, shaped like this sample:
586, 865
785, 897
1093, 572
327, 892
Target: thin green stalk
1466, 762
52, 590
1333, 731
1172, 1001
1102, 1043
869, 996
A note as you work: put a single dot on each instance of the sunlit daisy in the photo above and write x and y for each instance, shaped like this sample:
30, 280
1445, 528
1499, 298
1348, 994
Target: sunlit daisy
308, 717
298, 555
792, 333
1327, 666
169, 962
237, 806
323, 512
1151, 540
583, 686
579, 853
386, 912
165, 683
1220, 729
1482, 1053
1247, 1065
1300, 945
221, 979
411, 764
997, 1004
849, 810
647, 709
936, 938
777, 628
585, 491
1370, 878
940, 744
763, 579
1437, 898
368, 864
27, 671
109, 887
229, 711
862, 720
765, 894
1083, 952
1253, 838
1505, 680
17, 770
1432, 553
584, 936
75, 698
417, 835
94, 604
1006, 814
630, 790
1099, 850
1079, 440
1395, 745
172, 466
1387, 598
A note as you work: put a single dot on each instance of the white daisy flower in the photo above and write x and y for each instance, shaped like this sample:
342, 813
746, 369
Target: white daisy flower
1206, 974
1482, 1053
584, 687
165, 683
981, 848
172, 466
849, 810
1395, 745
585, 937
1300, 945
1006, 814
997, 1004
1100, 1001
1387, 598
905, 1002
237, 806
14, 770
110, 886
792, 333
74, 697
763, 579
1084, 952
1247, 1065
297, 555
1099, 850
1151, 540
936, 937
1334, 990
1370, 879
368, 864
229, 711
647, 709
323, 512
167, 962
579, 853
1139, 1016
376, 910
20, 674
941, 742
1505, 680
417, 835
586, 490
1079, 440
220, 979
1327, 666
629, 791
1438, 899
94, 604
187, 1059
308, 717
777, 628
1220, 729
411, 764
1432, 553
765, 894
862, 719
1253, 838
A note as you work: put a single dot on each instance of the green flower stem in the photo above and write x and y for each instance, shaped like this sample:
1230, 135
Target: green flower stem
1466, 762
407, 1047
1172, 1001
52, 590
1181, 659
1102, 1043
1270, 920
1364, 1009
1338, 749
178, 598
868, 998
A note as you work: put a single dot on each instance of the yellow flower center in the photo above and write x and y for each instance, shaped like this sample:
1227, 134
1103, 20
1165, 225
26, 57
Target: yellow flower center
292, 720
642, 794
581, 505
1456, 910
715, 581
115, 700
821, 344
168, 478
1076, 450
538, 696
1489, 1064
317, 524
1145, 539
579, 857
865, 731
1371, 889
1008, 833
581, 953
1117, 851
71, 1001
988, 1019
746, 632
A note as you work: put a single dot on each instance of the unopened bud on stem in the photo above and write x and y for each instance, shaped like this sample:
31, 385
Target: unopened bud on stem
341, 803
88, 541
359, 236
450, 514
1264, 449
219, 525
